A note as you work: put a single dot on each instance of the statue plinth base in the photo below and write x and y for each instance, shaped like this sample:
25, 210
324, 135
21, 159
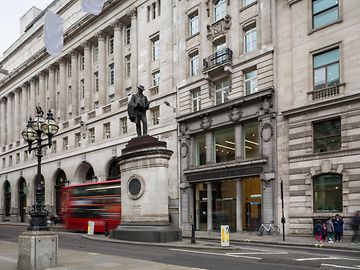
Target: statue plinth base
144, 192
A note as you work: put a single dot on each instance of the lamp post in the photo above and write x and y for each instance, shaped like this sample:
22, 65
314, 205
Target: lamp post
33, 132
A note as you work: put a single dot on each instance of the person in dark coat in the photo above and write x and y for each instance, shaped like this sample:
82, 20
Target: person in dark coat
137, 108
318, 231
355, 223
338, 227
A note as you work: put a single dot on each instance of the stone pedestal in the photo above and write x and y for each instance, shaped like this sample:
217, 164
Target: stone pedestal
145, 192
37, 250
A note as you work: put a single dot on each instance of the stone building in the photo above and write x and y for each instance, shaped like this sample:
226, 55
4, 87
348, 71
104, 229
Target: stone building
104, 58
318, 130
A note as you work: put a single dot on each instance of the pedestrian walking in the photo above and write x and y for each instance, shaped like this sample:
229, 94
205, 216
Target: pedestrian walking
318, 231
355, 223
338, 227
324, 231
330, 230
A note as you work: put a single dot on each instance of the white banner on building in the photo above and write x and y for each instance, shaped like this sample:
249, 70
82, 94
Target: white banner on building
92, 6
53, 33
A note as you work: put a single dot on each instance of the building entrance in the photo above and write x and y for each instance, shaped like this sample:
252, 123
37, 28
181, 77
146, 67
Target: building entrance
251, 204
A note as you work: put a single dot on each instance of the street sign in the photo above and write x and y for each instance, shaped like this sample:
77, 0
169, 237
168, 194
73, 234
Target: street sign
225, 236
91, 225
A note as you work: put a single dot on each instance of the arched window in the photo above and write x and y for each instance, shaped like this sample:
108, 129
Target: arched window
328, 193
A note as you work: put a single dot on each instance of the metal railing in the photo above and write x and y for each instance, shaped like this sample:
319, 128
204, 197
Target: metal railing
219, 58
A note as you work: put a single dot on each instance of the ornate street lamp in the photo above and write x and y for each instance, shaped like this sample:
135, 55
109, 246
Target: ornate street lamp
34, 130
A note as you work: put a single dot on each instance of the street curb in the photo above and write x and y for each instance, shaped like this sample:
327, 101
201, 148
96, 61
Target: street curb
170, 245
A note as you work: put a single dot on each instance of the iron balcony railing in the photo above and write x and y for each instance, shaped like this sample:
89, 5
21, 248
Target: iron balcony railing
219, 58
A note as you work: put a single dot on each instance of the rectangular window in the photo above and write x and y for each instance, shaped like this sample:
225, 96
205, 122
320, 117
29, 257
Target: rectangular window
82, 62
156, 48
193, 24
128, 65
221, 54
111, 98
17, 158
96, 105
326, 69
96, 53
247, 2
106, 129
10, 160
156, 78
111, 74
250, 81
155, 115
194, 64
196, 100
200, 150
128, 35
26, 155
82, 89
53, 147
250, 39
328, 193
91, 135
251, 139
222, 90
65, 143
69, 70
3, 162
77, 139
219, 9
111, 44
224, 145
327, 135
96, 81
123, 125
324, 12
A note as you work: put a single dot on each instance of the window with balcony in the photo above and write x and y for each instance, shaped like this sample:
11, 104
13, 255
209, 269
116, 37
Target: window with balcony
96, 81
194, 64
327, 193
193, 24
155, 48
111, 74
65, 143
224, 145
123, 125
222, 89
106, 128
155, 115
324, 12
200, 150
327, 135
250, 38
250, 81
77, 139
128, 66
326, 69
111, 44
196, 100
219, 9
251, 139
91, 135
220, 53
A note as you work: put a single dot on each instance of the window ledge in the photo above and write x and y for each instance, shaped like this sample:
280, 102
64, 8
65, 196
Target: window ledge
248, 6
340, 20
192, 36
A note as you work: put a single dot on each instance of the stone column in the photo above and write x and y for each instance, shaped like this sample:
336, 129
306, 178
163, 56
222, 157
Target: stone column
52, 89
118, 60
209, 147
62, 103
3, 121
17, 112
32, 103
42, 94
209, 207
10, 118
102, 95
87, 76
134, 46
25, 104
74, 84
239, 204
239, 142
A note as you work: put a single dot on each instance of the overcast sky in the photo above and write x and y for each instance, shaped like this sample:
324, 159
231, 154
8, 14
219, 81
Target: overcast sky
10, 13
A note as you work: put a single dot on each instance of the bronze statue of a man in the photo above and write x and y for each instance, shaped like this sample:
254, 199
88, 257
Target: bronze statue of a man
137, 108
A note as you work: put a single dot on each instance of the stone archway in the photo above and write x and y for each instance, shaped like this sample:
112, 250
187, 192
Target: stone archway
60, 181
23, 191
113, 170
7, 199
85, 173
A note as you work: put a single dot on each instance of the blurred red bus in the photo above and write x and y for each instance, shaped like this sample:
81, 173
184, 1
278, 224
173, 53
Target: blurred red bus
97, 201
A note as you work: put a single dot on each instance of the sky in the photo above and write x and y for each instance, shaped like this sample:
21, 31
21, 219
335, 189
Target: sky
10, 13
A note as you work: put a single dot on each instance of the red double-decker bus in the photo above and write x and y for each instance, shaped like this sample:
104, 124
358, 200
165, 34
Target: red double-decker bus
99, 202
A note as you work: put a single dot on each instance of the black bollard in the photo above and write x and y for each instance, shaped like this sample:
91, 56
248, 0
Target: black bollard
192, 233
106, 229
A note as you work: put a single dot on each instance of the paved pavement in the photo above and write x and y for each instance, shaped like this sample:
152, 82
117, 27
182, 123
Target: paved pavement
79, 260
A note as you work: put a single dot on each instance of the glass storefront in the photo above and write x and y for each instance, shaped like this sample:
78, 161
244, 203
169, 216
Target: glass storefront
224, 141
251, 139
251, 203
200, 150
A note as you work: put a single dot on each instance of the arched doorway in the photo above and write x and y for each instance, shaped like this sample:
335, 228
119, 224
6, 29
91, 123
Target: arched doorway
22, 199
84, 173
113, 170
7, 199
60, 181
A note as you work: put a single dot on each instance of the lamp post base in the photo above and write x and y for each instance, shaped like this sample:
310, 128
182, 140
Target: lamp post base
37, 250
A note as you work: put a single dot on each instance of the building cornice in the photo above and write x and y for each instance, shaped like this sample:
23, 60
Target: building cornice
291, 2
322, 105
